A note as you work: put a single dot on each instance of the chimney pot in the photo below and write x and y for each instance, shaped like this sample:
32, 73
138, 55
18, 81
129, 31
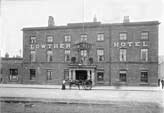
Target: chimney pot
126, 19
51, 21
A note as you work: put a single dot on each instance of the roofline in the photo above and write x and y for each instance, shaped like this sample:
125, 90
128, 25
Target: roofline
4, 58
93, 24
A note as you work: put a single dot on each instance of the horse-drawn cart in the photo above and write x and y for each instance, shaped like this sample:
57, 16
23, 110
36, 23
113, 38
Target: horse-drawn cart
85, 84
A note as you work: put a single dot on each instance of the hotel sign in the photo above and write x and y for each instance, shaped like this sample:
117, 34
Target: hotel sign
51, 46
130, 44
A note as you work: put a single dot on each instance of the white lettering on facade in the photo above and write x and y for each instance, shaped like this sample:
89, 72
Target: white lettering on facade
67, 45
137, 43
61, 45
49, 46
123, 44
129, 44
56, 45
144, 43
32, 46
116, 44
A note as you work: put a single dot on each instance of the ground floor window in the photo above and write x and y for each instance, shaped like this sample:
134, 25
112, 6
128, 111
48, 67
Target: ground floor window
66, 74
144, 76
13, 74
123, 74
49, 74
100, 76
32, 74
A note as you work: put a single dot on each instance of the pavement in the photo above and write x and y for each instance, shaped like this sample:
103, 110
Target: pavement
99, 95
125, 88
49, 98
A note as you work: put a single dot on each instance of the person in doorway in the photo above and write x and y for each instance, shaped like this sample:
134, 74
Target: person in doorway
63, 85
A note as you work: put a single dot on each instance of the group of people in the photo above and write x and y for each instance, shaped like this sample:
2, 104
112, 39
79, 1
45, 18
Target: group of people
161, 82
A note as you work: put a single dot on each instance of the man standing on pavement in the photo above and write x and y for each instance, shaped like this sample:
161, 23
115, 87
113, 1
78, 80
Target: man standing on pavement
159, 82
63, 85
162, 82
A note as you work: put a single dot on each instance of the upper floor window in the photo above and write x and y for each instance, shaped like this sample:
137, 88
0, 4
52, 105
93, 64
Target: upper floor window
49, 39
122, 55
84, 37
32, 40
67, 55
67, 38
49, 74
123, 36
144, 76
123, 75
83, 53
100, 37
33, 56
49, 56
32, 74
144, 54
144, 35
100, 55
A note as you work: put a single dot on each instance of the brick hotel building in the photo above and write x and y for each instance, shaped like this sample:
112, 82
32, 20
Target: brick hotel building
109, 53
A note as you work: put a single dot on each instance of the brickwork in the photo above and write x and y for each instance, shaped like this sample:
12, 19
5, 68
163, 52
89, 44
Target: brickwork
111, 45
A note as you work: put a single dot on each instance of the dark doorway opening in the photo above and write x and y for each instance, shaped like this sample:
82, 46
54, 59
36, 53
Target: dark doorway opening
81, 75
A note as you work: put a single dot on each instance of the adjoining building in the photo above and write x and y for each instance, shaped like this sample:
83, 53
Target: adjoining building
11, 70
105, 53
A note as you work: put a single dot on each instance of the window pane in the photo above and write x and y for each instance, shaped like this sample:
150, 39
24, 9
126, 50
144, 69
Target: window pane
144, 76
123, 76
122, 54
49, 74
100, 76
13, 74
100, 55
67, 38
83, 53
67, 58
32, 74
67, 52
49, 56
100, 37
123, 36
67, 55
50, 39
144, 54
32, 39
83, 37
33, 56
144, 35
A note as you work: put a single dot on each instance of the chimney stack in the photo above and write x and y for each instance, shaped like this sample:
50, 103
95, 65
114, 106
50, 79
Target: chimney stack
51, 21
95, 19
126, 19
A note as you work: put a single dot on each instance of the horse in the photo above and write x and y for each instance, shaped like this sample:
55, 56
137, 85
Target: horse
74, 83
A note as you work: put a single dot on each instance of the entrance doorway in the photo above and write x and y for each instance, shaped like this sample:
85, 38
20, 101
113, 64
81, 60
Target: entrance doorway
81, 75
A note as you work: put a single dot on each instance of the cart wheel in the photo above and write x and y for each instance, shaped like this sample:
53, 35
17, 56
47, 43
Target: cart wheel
87, 85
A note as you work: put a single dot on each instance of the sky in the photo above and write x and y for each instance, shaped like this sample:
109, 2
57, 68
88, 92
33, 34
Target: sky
17, 14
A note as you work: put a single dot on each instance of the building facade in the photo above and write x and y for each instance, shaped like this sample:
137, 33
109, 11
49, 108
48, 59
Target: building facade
105, 53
